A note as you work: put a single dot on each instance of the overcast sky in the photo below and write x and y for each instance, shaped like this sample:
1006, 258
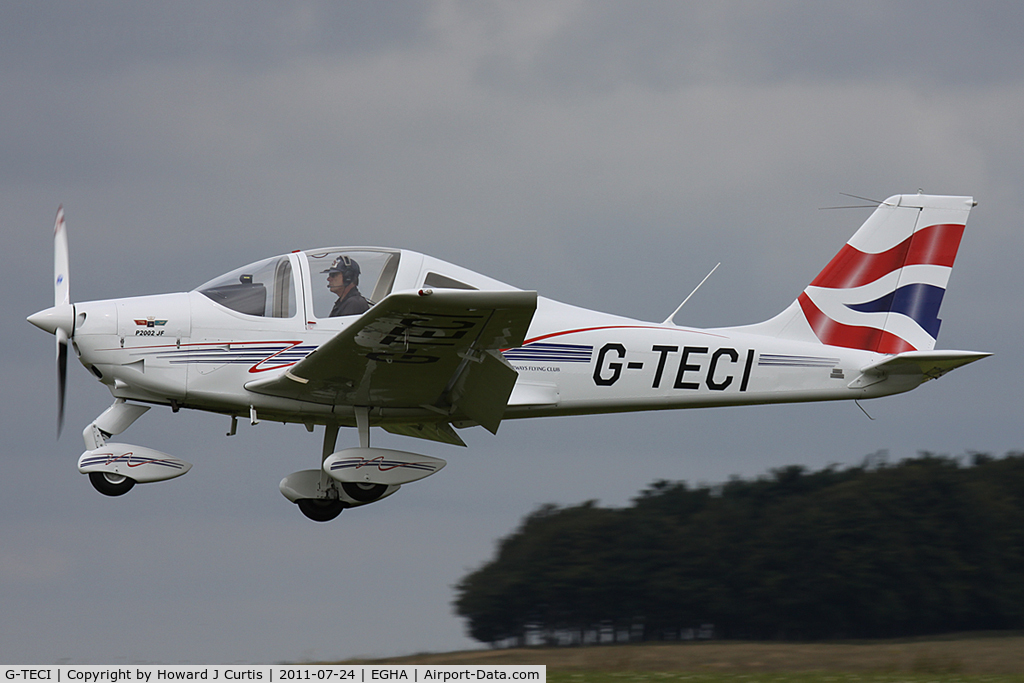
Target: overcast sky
606, 154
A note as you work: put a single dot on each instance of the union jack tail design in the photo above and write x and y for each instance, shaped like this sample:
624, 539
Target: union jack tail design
882, 291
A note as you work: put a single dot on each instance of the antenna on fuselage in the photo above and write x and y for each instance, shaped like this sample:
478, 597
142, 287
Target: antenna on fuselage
668, 320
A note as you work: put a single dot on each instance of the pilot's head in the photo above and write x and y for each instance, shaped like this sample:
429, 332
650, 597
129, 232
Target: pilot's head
344, 271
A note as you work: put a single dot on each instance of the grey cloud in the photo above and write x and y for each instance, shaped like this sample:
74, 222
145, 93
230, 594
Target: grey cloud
78, 40
607, 154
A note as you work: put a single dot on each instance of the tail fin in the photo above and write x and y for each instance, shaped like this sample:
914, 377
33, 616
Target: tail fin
882, 291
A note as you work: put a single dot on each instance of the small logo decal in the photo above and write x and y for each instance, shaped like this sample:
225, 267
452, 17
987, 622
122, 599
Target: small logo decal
150, 322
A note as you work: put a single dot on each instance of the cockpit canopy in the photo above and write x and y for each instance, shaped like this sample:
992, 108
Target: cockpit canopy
269, 288
265, 288
377, 270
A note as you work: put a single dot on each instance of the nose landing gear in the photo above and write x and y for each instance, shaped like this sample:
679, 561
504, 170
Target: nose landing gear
111, 484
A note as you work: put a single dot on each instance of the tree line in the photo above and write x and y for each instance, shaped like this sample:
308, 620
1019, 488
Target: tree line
928, 545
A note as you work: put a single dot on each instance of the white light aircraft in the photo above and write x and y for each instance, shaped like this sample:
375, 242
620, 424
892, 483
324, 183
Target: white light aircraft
434, 347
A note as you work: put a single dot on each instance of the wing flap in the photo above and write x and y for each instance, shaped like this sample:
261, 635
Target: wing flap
483, 391
430, 431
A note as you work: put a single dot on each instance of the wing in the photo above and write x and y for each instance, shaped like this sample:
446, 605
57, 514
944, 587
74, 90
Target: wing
437, 351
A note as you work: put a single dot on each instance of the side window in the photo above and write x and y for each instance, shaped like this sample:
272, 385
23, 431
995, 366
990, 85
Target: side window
371, 272
438, 281
264, 289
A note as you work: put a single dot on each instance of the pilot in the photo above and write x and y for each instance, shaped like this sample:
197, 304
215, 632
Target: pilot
343, 280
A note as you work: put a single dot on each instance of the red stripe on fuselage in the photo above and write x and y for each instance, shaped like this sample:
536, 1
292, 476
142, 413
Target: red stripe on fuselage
617, 327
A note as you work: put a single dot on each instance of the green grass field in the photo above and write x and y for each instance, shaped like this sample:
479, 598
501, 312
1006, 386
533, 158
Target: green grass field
967, 658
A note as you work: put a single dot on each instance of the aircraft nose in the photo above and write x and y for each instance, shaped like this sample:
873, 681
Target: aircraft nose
52, 319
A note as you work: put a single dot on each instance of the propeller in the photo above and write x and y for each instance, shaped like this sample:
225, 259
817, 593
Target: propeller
62, 377
59, 320
61, 297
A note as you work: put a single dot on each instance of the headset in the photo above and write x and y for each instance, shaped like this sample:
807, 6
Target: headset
348, 268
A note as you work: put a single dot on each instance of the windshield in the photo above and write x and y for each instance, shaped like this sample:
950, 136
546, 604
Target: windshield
264, 288
371, 272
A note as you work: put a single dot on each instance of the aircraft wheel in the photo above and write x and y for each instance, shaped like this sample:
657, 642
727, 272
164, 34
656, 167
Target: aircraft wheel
364, 493
320, 509
110, 484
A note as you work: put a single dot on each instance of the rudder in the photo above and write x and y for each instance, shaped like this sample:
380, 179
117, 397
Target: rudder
883, 290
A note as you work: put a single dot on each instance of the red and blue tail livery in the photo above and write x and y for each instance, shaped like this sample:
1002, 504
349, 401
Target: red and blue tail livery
883, 290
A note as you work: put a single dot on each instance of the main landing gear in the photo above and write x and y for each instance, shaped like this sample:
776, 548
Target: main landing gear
321, 497
326, 509
320, 509
326, 503
354, 476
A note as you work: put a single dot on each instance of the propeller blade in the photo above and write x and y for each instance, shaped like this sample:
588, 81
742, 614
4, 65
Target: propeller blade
59, 320
61, 297
62, 376
61, 289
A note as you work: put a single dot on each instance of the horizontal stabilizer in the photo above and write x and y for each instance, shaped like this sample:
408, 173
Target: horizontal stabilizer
930, 364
